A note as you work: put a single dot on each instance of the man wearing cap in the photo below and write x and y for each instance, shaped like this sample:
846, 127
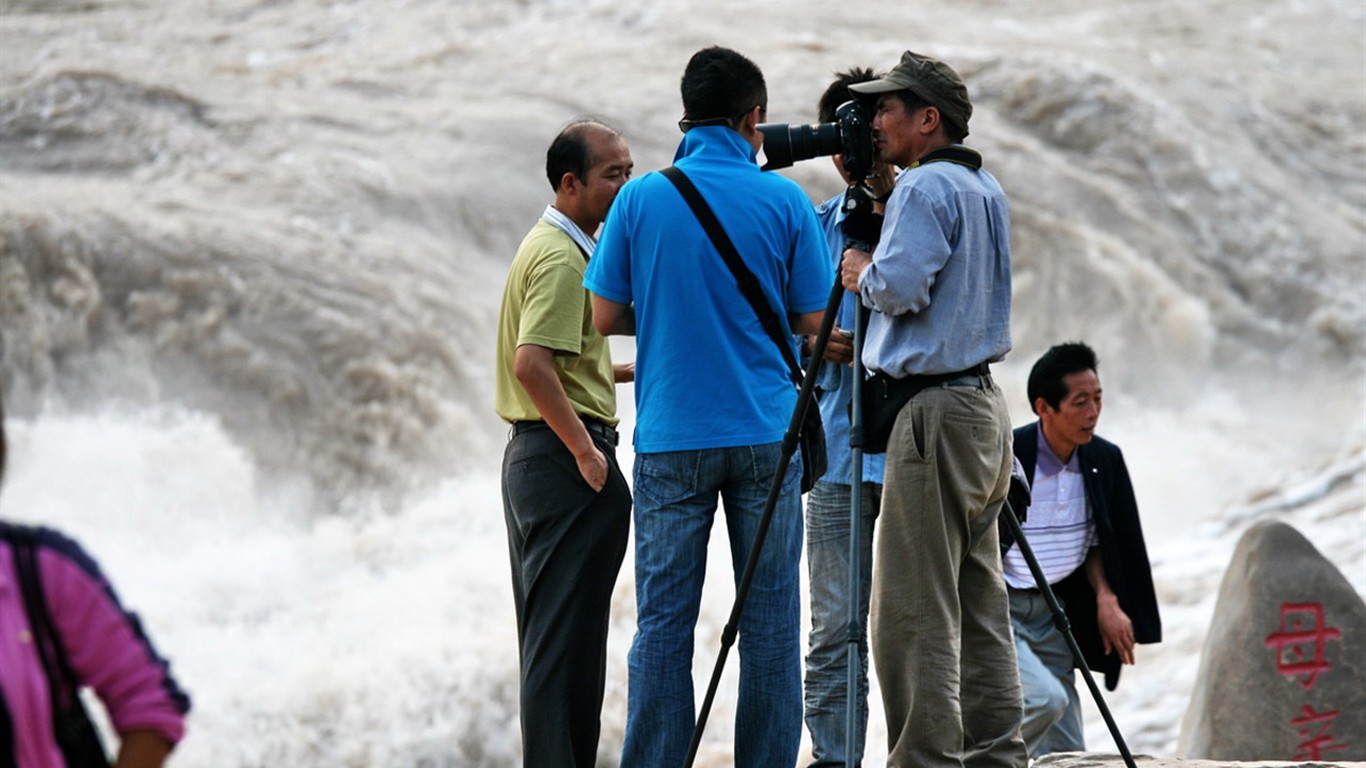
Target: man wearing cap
829, 503
713, 399
565, 501
939, 287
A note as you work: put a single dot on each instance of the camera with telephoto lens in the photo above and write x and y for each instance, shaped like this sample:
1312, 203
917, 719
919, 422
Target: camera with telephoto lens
851, 135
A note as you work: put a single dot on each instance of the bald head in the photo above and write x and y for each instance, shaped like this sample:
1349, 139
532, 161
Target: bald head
587, 165
573, 149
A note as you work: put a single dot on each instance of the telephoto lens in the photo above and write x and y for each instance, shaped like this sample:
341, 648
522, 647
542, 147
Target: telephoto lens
786, 144
850, 135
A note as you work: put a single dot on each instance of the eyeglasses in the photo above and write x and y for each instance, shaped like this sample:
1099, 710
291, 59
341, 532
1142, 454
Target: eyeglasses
686, 125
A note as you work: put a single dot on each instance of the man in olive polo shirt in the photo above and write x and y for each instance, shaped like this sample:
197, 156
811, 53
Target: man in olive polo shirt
566, 503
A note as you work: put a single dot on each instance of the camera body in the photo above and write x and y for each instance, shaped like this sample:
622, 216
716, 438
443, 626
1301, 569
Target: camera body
850, 135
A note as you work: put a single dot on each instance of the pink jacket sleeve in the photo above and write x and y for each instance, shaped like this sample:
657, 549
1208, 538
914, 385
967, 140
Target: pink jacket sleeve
106, 646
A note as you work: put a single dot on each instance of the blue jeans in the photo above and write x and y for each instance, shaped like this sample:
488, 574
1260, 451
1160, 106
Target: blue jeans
676, 498
1052, 708
827, 656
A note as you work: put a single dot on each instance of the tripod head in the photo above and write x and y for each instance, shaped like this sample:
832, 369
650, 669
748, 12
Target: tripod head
862, 225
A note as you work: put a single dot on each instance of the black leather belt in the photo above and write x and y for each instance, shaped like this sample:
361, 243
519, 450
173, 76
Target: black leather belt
901, 390
594, 426
978, 375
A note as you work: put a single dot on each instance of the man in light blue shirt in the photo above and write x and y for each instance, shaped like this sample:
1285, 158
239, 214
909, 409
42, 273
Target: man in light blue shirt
828, 504
939, 287
713, 400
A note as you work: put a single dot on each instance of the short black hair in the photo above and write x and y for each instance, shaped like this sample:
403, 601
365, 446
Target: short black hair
838, 92
1046, 377
911, 102
719, 83
570, 151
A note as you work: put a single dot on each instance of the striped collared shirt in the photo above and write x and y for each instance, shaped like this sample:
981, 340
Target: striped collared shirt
1059, 527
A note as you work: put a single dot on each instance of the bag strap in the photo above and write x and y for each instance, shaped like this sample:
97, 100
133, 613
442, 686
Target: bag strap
60, 677
744, 277
71, 723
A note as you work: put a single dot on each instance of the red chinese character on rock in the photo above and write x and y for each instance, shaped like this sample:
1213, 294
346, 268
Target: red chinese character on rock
1299, 644
1313, 748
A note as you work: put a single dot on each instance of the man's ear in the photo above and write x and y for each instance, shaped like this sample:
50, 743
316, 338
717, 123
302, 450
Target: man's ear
1040, 405
752, 119
929, 120
569, 182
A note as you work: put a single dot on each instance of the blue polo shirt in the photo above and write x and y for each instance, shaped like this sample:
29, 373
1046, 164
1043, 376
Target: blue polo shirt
707, 376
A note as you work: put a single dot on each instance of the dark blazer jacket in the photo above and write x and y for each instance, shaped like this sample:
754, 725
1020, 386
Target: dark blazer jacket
1110, 496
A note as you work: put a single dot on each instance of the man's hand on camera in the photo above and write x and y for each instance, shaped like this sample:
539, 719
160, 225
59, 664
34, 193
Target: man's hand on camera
852, 266
839, 349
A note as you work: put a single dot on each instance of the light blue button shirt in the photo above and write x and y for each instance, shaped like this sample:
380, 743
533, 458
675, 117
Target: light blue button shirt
939, 283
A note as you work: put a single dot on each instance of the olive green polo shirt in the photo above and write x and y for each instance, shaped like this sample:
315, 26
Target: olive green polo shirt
545, 303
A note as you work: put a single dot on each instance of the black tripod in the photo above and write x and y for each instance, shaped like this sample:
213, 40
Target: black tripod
1064, 626
861, 229
859, 224
789, 447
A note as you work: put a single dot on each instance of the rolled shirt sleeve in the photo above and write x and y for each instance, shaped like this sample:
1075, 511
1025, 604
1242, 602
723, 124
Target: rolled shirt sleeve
107, 648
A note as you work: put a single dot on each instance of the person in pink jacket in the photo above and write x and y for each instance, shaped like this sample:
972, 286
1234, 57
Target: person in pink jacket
103, 646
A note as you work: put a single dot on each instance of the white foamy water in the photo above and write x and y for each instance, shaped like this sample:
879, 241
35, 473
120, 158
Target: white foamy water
250, 257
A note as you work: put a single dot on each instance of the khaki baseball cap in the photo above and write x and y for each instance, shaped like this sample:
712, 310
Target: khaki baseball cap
931, 80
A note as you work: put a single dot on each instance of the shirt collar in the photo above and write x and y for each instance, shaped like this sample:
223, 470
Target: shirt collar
1048, 463
716, 140
554, 217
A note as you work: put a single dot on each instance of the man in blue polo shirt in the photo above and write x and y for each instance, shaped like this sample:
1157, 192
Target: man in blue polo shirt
713, 399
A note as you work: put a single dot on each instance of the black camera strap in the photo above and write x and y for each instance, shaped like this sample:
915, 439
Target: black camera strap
744, 277
953, 153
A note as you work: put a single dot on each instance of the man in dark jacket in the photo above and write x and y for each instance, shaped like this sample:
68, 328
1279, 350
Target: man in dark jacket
1083, 527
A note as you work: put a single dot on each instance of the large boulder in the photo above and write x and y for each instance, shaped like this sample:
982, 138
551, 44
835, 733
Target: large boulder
1098, 760
1281, 676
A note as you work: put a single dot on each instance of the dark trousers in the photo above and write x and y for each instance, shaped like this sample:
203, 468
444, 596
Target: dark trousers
566, 544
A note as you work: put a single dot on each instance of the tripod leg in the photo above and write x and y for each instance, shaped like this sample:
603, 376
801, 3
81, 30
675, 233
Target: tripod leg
856, 627
862, 229
789, 447
1065, 627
